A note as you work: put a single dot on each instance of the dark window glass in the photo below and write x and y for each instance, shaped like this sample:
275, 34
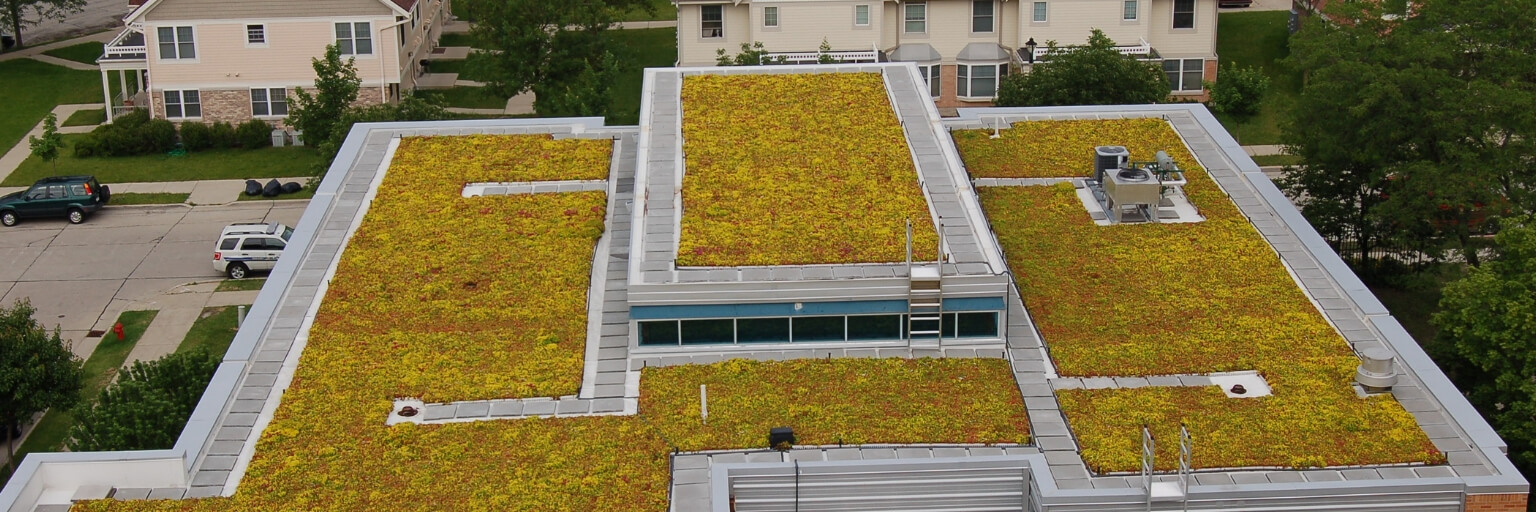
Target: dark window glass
78, 190
56, 192
919, 325
658, 333
173, 104
977, 325
166, 36
1183, 13
228, 244
1194, 73
981, 16
1171, 68
190, 104
818, 328
762, 330
275, 244
185, 48
708, 331
712, 21
252, 244
881, 327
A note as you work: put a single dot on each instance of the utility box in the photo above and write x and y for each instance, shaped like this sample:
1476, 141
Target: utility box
279, 138
298, 137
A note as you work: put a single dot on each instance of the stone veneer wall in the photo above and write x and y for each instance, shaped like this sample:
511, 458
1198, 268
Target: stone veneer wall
1497, 502
233, 106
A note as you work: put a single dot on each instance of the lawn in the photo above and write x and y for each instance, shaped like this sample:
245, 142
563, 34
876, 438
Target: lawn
658, 10
85, 53
240, 285
213, 164
460, 66
215, 328
128, 199
454, 39
53, 429
647, 48
91, 117
1277, 160
464, 97
1259, 39
30, 89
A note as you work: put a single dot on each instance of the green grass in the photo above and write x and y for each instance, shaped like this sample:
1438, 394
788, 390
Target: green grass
30, 89
307, 193
240, 285
655, 47
455, 39
103, 365
130, 198
213, 164
659, 10
460, 66
1274, 160
464, 97
86, 118
213, 331
1259, 39
85, 53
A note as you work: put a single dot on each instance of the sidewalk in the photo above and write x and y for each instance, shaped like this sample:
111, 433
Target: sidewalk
178, 310
1273, 149
19, 153
36, 52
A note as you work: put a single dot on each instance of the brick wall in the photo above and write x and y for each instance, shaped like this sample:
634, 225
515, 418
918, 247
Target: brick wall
948, 75
1497, 502
369, 96
230, 106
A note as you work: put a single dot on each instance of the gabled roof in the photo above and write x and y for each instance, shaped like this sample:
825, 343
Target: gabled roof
401, 7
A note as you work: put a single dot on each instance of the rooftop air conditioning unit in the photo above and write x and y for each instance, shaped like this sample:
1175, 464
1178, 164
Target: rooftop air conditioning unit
1109, 157
1131, 188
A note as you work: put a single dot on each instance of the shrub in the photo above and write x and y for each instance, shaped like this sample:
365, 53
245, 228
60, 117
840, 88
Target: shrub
223, 135
254, 134
195, 136
130, 134
88, 146
147, 407
157, 136
1238, 91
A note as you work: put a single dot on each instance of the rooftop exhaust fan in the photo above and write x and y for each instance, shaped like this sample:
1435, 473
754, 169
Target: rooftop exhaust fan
1376, 373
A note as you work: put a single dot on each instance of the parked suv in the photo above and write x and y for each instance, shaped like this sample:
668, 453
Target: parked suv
247, 247
71, 197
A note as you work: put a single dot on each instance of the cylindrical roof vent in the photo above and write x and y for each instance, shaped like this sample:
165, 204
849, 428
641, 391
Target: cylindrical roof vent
1376, 373
1109, 157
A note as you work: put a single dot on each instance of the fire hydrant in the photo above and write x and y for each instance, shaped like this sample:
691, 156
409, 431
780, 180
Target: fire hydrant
118, 330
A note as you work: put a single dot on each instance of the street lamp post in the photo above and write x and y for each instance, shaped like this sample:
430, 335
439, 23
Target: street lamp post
1029, 47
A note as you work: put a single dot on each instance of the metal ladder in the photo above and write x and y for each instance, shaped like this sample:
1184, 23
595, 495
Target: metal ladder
925, 297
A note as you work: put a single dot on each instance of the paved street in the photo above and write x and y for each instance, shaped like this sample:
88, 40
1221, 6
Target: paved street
81, 276
98, 15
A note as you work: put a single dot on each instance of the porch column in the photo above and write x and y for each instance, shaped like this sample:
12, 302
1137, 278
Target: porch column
106, 93
138, 79
122, 84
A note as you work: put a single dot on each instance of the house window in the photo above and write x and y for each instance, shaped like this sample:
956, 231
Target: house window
182, 105
931, 75
1039, 16
269, 102
1183, 13
1185, 74
255, 34
982, 15
355, 38
978, 81
770, 17
861, 15
176, 43
917, 18
1131, 11
712, 19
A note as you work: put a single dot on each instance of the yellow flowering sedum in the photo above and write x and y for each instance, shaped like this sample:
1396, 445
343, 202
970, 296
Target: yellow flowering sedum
1159, 299
797, 169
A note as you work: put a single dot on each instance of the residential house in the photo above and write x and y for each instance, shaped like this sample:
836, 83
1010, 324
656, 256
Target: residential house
963, 46
234, 60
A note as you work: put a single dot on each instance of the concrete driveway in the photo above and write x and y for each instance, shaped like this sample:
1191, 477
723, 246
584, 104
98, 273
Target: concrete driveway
79, 277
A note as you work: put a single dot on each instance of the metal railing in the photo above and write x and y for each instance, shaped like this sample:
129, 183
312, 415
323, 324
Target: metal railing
1143, 50
115, 47
871, 55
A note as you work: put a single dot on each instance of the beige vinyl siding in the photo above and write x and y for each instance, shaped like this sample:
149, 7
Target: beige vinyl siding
1070, 22
1184, 43
224, 60
891, 23
803, 25
949, 29
421, 40
233, 9
694, 50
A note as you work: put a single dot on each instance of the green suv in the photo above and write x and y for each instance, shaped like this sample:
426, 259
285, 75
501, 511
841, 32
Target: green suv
71, 197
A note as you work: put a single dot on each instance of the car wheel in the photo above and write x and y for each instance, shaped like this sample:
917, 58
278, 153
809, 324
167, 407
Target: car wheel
76, 216
9, 218
236, 270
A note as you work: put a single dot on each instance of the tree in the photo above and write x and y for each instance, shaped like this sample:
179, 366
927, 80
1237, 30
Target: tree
15, 14
750, 55
47, 147
336, 86
1488, 333
37, 371
561, 51
1095, 74
1239, 92
1422, 125
147, 407
409, 108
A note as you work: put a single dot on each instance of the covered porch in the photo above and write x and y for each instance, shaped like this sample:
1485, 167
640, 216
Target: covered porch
127, 57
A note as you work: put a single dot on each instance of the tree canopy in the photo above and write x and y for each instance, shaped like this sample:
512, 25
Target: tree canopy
561, 51
16, 14
147, 407
37, 369
1095, 74
336, 88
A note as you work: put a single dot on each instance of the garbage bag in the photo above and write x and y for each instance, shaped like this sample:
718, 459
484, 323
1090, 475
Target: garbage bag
271, 189
252, 188
291, 187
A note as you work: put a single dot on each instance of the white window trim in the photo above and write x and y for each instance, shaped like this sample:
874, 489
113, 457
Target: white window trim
181, 95
178, 59
905, 20
776, 21
701, 22
868, 15
1174, 87
269, 114
933, 76
971, 76
1047, 12
373, 41
1136, 13
1194, 11
265, 41
972, 27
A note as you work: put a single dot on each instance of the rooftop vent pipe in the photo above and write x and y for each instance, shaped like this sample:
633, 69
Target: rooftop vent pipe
1376, 373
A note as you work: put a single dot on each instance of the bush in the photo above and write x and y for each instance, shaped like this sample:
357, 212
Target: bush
1237, 91
157, 136
147, 407
195, 136
223, 135
254, 134
129, 134
88, 146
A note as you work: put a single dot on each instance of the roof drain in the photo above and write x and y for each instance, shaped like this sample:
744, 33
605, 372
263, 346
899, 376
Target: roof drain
407, 410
